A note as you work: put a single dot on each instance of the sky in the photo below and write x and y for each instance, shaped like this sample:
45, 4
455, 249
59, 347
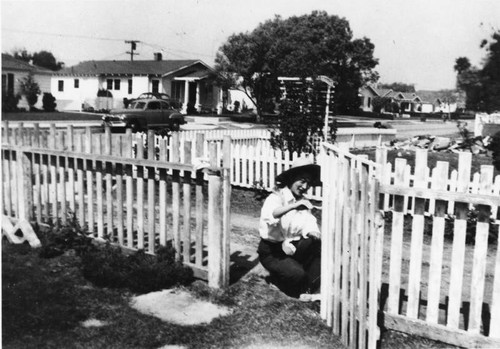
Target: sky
416, 41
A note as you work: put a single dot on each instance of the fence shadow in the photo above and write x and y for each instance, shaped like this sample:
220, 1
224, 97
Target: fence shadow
240, 264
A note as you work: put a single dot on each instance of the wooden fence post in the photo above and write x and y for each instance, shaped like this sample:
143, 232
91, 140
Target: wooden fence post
226, 208
216, 243
24, 186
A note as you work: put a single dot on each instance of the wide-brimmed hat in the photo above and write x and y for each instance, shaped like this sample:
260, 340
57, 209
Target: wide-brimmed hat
301, 165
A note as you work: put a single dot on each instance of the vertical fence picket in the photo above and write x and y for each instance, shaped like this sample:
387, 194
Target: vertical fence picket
495, 301
119, 170
108, 177
458, 248
128, 152
176, 201
417, 238
480, 251
363, 250
200, 141
140, 194
376, 259
71, 168
7, 160
346, 222
439, 179
151, 193
396, 241
186, 203
354, 254
89, 167
53, 174
62, 165
162, 195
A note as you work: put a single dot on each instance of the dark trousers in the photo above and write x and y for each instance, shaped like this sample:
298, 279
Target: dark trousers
294, 274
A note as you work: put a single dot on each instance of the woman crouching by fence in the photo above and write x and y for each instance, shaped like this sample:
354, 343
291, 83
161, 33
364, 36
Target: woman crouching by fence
290, 246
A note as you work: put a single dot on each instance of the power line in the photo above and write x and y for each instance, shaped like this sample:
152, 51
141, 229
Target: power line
63, 35
180, 53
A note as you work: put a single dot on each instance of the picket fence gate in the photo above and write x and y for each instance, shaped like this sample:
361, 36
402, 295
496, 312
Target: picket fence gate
138, 202
440, 289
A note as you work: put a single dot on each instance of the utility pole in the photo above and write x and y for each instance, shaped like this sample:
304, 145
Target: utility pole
133, 47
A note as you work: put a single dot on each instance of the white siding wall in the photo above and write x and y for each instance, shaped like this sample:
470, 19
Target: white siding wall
140, 85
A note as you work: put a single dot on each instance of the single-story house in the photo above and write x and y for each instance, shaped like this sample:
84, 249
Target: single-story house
408, 101
15, 70
187, 81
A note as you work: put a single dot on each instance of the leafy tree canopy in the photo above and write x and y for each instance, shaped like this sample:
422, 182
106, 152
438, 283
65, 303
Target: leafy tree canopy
482, 85
43, 59
399, 87
299, 46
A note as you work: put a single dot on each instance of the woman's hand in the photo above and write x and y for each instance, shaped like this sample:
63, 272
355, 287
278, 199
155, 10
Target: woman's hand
303, 205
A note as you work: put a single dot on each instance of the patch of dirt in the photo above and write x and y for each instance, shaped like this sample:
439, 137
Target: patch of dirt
178, 307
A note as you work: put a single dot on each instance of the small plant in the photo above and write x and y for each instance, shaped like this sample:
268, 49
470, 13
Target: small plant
30, 89
63, 237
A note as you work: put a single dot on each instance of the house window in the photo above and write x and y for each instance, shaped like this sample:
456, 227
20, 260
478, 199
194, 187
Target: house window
117, 84
177, 90
8, 84
369, 102
60, 85
109, 84
77, 83
129, 86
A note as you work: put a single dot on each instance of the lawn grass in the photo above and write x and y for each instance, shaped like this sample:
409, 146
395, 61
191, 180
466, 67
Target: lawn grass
45, 302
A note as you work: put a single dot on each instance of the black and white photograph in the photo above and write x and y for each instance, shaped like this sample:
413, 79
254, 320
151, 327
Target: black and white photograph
250, 174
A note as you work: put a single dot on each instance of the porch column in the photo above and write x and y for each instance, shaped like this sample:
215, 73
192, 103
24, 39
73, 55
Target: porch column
198, 104
186, 97
220, 103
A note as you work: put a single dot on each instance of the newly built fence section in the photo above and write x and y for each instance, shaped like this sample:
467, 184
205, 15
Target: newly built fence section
434, 259
138, 202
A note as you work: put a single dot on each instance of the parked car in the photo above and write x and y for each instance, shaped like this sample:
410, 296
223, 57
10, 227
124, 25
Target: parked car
154, 95
146, 113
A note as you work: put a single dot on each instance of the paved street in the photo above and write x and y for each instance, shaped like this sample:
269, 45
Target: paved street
405, 127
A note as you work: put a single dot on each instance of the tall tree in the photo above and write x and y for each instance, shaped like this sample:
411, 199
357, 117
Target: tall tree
299, 46
47, 60
481, 85
399, 87
490, 74
43, 59
22, 54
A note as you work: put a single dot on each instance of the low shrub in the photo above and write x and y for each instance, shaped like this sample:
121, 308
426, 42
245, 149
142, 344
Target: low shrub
107, 266
60, 238
49, 102
139, 272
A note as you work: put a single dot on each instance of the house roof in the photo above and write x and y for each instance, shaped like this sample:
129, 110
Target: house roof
153, 67
11, 63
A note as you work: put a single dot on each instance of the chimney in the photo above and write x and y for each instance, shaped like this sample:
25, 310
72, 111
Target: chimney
158, 56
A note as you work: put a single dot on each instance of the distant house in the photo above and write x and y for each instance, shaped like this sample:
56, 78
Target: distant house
15, 70
187, 81
444, 101
407, 101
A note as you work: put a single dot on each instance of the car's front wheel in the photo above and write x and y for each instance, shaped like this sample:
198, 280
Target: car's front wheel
134, 125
